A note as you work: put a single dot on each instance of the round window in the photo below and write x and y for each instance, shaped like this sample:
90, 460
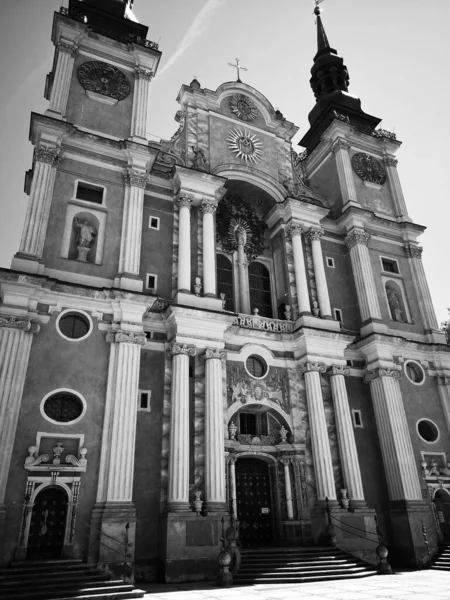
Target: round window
256, 366
63, 407
414, 372
427, 430
74, 325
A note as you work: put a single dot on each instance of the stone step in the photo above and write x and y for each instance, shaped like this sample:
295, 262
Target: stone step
299, 579
321, 561
298, 569
47, 570
43, 563
55, 592
72, 585
60, 578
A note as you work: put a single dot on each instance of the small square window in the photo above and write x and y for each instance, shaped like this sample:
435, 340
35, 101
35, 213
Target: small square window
144, 397
153, 222
151, 281
89, 192
389, 265
330, 262
338, 314
357, 418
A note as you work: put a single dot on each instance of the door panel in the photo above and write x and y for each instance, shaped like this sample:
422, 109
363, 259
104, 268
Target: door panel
48, 523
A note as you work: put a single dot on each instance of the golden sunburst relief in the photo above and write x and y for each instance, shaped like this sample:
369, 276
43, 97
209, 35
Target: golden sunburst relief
245, 145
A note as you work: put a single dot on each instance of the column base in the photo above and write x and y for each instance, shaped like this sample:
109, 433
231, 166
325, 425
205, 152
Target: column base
107, 539
189, 545
358, 505
326, 323
215, 507
373, 326
207, 303
177, 507
27, 263
129, 282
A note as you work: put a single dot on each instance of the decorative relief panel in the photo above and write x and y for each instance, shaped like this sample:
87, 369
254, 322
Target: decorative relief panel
369, 168
245, 146
243, 107
241, 387
105, 79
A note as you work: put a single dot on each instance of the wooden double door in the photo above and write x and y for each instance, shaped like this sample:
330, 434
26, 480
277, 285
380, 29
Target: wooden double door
48, 524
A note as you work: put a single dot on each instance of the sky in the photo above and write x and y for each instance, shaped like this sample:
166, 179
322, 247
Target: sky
396, 51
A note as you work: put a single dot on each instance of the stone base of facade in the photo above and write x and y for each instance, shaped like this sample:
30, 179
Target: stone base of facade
189, 546
408, 548
112, 538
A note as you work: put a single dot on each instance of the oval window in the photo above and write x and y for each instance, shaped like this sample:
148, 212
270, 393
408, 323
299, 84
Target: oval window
74, 325
256, 366
414, 372
63, 407
427, 430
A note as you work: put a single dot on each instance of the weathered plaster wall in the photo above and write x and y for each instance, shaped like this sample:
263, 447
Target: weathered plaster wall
325, 182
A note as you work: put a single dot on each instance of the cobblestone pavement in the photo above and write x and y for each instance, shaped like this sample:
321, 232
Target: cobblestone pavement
412, 585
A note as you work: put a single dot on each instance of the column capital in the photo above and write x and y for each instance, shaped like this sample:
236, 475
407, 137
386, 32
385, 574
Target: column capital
215, 353
209, 206
128, 337
141, 73
285, 461
357, 236
315, 233
26, 325
413, 250
380, 372
136, 178
185, 200
339, 370
69, 48
340, 144
390, 161
51, 156
294, 229
184, 349
309, 367
443, 380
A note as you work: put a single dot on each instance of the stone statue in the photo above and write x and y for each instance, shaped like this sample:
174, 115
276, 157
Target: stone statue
200, 163
86, 234
394, 305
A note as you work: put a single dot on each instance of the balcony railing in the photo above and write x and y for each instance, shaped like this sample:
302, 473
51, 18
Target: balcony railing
263, 324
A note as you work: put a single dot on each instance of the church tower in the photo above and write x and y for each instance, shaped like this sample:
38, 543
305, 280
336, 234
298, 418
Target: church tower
214, 327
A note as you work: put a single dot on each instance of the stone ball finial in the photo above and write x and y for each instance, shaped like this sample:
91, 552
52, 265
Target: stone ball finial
195, 84
317, 10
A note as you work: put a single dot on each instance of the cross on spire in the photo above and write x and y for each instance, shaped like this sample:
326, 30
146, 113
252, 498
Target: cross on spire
238, 67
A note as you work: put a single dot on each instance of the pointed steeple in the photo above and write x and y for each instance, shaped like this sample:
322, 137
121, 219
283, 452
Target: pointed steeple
322, 40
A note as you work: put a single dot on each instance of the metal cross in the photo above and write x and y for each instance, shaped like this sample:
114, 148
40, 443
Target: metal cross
239, 69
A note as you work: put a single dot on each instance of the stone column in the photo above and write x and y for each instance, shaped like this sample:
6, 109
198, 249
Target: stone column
184, 243
444, 394
233, 486
323, 465
142, 78
396, 188
345, 172
130, 243
62, 77
244, 292
214, 434
209, 207
33, 236
301, 282
319, 271
346, 438
288, 488
414, 254
357, 241
178, 492
15, 344
396, 447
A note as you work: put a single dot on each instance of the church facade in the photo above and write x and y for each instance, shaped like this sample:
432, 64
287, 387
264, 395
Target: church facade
213, 326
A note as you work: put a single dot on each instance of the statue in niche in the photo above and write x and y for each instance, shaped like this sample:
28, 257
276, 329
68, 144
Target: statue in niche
394, 305
85, 238
199, 162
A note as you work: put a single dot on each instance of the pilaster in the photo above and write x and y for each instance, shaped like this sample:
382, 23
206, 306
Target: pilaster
345, 172
288, 488
314, 234
396, 188
444, 395
295, 231
67, 51
208, 208
142, 79
184, 242
414, 254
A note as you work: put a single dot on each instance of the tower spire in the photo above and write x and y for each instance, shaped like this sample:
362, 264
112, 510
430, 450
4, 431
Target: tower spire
322, 40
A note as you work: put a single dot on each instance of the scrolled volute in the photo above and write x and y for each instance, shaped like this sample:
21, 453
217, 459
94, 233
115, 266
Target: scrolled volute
127, 337
177, 348
381, 372
357, 236
26, 325
310, 367
215, 353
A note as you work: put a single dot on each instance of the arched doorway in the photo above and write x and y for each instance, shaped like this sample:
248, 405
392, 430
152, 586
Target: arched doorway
48, 524
442, 503
254, 502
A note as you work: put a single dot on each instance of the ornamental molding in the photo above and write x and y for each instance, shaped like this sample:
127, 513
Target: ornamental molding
185, 200
209, 206
339, 370
26, 325
294, 229
67, 47
141, 73
245, 145
340, 144
381, 372
413, 251
357, 236
314, 234
368, 168
127, 337
390, 161
243, 108
215, 353
384, 133
50, 156
104, 79
136, 178
182, 349
310, 367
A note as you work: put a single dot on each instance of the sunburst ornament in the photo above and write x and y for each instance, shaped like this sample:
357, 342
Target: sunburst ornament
243, 107
245, 145
239, 232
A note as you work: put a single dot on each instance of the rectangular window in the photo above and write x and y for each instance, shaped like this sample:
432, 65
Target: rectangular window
330, 262
338, 314
153, 222
89, 192
247, 423
144, 397
389, 265
151, 281
357, 419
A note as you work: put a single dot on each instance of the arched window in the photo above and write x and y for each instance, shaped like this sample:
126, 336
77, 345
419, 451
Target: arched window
260, 292
225, 281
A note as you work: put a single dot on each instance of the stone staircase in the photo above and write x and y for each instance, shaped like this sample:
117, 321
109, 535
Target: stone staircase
61, 580
442, 562
299, 565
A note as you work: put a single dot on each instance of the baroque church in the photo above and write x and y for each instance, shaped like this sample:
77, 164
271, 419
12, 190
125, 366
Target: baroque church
214, 328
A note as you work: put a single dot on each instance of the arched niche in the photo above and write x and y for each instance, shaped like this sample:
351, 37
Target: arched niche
267, 418
84, 237
396, 302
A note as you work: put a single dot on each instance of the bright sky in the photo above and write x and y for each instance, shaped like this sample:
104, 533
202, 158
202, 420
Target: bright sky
396, 51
